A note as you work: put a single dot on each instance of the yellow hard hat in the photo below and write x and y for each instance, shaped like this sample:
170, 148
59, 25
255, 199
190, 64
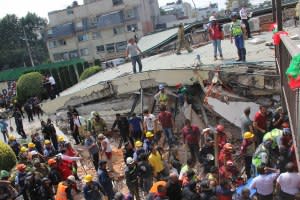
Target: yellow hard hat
248, 135
23, 149
47, 142
61, 138
31, 145
88, 178
138, 144
11, 137
149, 134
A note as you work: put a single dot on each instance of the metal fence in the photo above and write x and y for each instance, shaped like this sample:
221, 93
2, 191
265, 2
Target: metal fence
284, 53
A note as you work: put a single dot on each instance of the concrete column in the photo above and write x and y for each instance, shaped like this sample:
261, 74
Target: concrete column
76, 72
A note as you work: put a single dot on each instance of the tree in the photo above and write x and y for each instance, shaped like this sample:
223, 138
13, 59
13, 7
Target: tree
7, 157
89, 72
13, 49
232, 4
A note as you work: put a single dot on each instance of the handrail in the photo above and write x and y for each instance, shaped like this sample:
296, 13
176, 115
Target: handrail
290, 45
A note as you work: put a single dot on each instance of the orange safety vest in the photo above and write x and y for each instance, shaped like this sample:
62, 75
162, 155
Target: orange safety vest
61, 192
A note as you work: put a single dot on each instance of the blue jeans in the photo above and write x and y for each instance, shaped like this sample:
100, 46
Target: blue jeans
169, 135
217, 46
134, 60
239, 41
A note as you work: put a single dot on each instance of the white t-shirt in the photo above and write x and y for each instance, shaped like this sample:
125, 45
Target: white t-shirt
77, 122
289, 182
108, 147
149, 120
243, 13
52, 80
264, 183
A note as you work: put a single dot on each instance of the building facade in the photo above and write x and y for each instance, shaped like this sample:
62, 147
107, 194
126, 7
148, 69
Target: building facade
205, 13
99, 29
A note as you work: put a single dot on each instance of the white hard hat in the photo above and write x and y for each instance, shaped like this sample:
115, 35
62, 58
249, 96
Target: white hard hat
71, 178
161, 86
129, 161
212, 18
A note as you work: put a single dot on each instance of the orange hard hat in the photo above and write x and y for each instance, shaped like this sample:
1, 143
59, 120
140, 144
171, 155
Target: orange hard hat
285, 125
228, 146
220, 128
21, 167
51, 161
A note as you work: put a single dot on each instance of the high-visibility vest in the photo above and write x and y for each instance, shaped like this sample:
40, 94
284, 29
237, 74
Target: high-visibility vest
61, 192
163, 98
236, 28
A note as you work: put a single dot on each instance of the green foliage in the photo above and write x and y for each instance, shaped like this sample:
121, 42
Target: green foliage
7, 157
28, 85
89, 72
97, 62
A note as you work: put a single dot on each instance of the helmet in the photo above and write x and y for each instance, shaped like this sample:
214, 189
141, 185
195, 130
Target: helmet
129, 161
4, 174
47, 142
23, 149
138, 144
96, 114
178, 85
229, 163
21, 167
228, 146
61, 138
51, 161
285, 125
101, 136
149, 134
234, 14
212, 18
248, 135
220, 128
88, 178
31, 145
11, 137
71, 178
161, 86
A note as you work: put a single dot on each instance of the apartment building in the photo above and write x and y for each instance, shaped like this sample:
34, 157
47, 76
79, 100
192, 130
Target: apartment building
99, 29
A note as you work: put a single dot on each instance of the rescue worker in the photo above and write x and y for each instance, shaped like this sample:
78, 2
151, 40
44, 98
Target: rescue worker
49, 150
225, 154
131, 176
23, 156
98, 124
20, 180
162, 97
92, 190
46, 190
181, 41
105, 180
64, 189
262, 154
14, 145
138, 150
54, 174
148, 142
61, 144
7, 192
32, 185
238, 32
221, 137
247, 150
228, 171
275, 136
206, 155
40, 167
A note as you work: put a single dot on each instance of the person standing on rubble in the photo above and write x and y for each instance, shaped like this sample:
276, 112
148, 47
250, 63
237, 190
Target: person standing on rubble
216, 35
134, 51
260, 124
237, 32
181, 40
244, 17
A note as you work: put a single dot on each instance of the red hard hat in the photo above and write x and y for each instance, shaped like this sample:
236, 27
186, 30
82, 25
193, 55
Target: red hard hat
285, 125
21, 167
220, 128
178, 85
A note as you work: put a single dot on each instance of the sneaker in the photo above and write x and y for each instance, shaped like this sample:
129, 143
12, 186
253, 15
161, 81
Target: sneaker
238, 60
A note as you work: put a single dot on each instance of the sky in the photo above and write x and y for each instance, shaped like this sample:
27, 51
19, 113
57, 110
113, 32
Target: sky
42, 7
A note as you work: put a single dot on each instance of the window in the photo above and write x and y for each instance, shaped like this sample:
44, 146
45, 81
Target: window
132, 27
79, 25
58, 56
83, 37
84, 52
130, 14
96, 35
100, 49
118, 30
73, 54
69, 11
121, 46
50, 32
117, 2
62, 42
110, 48
52, 44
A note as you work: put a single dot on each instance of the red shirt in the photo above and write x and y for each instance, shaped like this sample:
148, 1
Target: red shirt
221, 140
191, 135
215, 32
260, 120
165, 119
70, 152
224, 156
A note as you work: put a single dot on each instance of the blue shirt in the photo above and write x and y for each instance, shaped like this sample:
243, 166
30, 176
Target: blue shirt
3, 125
135, 123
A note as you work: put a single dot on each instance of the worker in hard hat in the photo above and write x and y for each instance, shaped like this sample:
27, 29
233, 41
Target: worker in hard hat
181, 41
221, 137
138, 150
33, 153
54, 174
20, 180
98, 124
8, 192
64, 189
225, 154
273, 135
216, 36
148, 141
162, 96
49, 150
23, 155
262, 154
92, 189
89, 123
14, 145
131, 177
61, 143
247, 151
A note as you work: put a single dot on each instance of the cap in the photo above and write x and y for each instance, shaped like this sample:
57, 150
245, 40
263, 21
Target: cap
101, 136
161, 86
71, 178
51, 161
23, 149
228, 146
11, 137
149, 134
220, 128
61, 138
138, 143
4, 174
88, 178
129, 161
212, 18
248, 135
21, 167
31, 145
47, 142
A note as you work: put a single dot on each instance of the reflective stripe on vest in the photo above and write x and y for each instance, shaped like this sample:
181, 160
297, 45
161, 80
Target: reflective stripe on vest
236, 28
61, 192
163, 98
